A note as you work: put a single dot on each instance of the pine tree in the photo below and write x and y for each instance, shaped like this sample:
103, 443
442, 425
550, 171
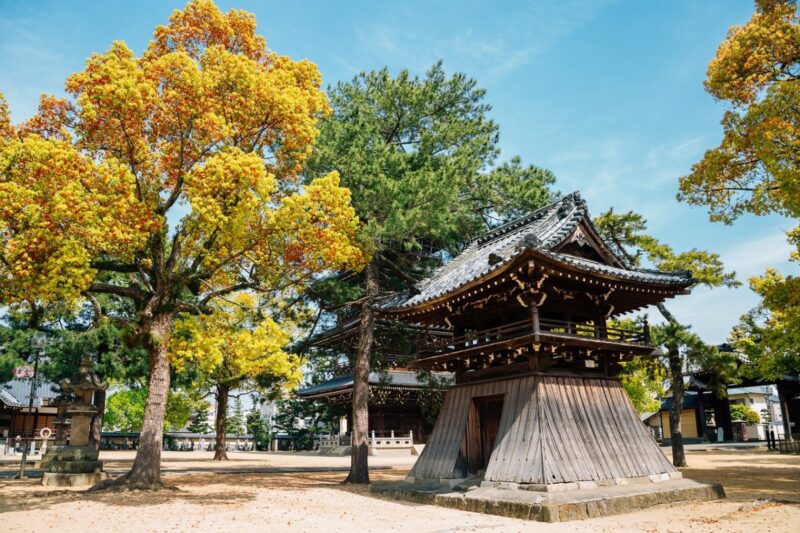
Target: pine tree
236, 421
419, 155
200, 424
257, 427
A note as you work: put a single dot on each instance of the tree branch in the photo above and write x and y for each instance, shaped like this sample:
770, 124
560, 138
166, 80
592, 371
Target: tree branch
127, 292
113, 266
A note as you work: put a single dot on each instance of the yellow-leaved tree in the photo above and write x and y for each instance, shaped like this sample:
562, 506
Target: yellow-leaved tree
235, 345
170, 180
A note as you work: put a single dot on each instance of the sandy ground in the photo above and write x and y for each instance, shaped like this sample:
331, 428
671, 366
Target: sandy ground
264, 492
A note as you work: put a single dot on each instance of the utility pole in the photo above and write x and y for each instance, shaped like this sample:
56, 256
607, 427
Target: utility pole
38, 347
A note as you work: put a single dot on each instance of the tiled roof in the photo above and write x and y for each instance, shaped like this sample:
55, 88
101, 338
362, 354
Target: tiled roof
758, 389
690, 401
541, 231
19, 390
7, 399
391, 378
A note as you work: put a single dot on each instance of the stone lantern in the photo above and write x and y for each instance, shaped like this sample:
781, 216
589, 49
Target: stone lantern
77, 463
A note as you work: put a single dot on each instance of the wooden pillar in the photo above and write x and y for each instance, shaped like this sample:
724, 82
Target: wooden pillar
600, 330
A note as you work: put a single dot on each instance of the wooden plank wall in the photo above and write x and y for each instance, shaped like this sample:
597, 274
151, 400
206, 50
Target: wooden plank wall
554, 429
444, 456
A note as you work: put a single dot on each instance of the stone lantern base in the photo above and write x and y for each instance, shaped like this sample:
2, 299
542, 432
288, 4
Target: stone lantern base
72, 466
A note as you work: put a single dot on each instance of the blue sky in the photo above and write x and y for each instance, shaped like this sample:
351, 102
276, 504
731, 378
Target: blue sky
606, 94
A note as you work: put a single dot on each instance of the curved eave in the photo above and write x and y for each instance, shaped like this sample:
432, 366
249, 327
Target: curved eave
553, 260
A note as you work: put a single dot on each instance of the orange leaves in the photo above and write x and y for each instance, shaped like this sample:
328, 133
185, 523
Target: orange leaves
60, 210
207, 119
754, 55
201, 25
317, 229
755, 168
6, 129
231, 187
52, 119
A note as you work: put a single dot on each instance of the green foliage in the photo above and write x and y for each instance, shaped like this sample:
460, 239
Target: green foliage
125, 410
70, 335
743, 412
755, 168
235, 422
15, 350
419, 155
317, 418
257, 427
200, 423
769, 335
414, 153
628, 232
697, 355
431, 396
643, 380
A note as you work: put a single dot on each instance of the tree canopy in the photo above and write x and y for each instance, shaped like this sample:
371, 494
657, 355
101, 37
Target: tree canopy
177, 170
419, 155
756, 167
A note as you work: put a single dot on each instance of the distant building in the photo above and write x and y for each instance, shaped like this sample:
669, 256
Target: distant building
394, 405
706, 418
15, 417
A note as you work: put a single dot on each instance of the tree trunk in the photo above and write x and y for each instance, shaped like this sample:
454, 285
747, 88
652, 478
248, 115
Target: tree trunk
676, 377
146, 470
220, 421
97, 421
676, 432
359, 449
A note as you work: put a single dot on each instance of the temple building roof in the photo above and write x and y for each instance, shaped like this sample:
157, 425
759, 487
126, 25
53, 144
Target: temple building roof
394, 379
561, 233
16, 393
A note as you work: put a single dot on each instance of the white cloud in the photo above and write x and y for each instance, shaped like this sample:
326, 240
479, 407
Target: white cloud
505, 40
713, 312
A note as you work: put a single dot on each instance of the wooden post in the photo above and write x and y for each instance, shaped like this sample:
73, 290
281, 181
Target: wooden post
535, 321
411, 436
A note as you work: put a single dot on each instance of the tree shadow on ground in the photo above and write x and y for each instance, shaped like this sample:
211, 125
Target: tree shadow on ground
745, 484
30, 496
201, 488
786, 461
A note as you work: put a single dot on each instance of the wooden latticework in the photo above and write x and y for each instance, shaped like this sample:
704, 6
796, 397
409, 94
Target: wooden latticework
553, 429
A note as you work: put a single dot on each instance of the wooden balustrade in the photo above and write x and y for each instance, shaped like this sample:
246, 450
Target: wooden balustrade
377, 439
430, 346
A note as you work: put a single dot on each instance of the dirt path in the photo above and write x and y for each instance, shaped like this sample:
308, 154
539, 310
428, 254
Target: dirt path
316, 501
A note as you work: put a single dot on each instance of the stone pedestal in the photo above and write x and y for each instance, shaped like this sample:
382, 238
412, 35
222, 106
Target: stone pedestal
76, 464
72, 466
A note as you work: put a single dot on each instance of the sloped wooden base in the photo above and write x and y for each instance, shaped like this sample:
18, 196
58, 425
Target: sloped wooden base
555, 430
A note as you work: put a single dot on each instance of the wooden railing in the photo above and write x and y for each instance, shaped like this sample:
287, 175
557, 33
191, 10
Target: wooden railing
431, 346
377, 439
594, 331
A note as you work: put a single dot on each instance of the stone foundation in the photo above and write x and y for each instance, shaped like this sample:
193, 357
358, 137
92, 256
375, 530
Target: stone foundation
54, 479
72, 466
549, 506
